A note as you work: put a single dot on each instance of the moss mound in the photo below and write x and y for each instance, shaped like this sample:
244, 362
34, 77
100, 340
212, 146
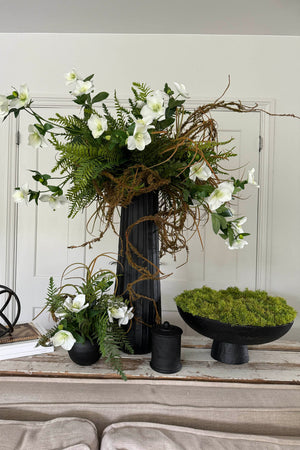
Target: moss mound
236, 307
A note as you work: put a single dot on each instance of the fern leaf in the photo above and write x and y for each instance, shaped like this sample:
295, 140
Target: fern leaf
143, 91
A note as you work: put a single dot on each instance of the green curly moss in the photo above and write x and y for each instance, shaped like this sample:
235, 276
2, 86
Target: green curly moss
236, 307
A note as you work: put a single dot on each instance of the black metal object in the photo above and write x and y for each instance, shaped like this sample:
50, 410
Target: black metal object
230, 341
166, 348
12, 296
144, 238
85, 354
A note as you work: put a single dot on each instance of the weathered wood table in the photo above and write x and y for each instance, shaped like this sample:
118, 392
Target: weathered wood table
277, 362
260, 397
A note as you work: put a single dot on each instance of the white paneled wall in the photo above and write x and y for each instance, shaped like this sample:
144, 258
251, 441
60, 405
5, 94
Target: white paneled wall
261, 68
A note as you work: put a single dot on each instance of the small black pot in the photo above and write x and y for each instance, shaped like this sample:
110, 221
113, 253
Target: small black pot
85, 354
230, 341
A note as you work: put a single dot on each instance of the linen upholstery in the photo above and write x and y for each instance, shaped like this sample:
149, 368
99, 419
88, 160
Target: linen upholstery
147, 436
272, 410
57, 434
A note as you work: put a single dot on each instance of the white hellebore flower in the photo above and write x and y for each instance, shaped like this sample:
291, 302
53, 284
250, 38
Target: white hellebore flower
71, 77
140, 137
76, 304
251, 177
54, 202
21, 195
200, 171
60, 313
23, 98
222, 194
121, 313
237, 226
128, 315
82, 87
182, 89
237, 244
155, 106
3, 105
35, 139
97, 125
63, 338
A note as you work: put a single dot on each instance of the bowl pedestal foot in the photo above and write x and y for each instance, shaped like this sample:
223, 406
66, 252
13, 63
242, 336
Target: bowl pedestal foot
229, 353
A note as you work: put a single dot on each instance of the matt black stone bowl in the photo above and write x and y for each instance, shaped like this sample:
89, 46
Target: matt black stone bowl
230, 342
85, 354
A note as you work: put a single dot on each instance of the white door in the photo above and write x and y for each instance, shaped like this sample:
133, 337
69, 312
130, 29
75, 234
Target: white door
214, 265
43, 236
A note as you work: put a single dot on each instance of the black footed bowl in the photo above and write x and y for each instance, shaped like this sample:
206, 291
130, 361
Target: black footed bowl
230, 342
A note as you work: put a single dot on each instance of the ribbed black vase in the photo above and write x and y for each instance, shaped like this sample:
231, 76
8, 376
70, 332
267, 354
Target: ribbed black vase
144, 237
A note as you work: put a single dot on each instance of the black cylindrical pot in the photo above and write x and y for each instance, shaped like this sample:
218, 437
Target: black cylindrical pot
166, 348
144, 238
85, 354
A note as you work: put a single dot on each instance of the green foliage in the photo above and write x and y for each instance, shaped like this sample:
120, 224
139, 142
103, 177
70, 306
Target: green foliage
236, 307
141, 92
92, 322
155, 135
122, 113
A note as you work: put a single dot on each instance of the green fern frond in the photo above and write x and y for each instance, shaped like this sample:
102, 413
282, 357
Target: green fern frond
122, 113
112, 123
44, 340
80, 199
143, 89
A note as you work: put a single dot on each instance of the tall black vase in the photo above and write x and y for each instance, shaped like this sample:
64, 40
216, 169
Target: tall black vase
144, 237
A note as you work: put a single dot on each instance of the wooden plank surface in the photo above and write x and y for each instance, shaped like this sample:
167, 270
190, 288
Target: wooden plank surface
277, 362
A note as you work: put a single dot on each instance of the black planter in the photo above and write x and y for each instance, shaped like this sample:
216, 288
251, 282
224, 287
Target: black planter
230, 342
144, 237
85, 354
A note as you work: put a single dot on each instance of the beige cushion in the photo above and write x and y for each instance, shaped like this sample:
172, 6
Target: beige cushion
272, 410
58, 434
149, 436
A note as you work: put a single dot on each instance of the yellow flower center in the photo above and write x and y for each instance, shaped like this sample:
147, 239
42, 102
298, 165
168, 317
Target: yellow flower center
156, 107
138, 136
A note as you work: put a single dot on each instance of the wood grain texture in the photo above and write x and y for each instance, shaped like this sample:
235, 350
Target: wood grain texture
277, 362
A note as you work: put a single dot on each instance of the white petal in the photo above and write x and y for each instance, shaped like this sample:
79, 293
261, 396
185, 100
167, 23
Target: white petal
80, 299
44, 198
131, 145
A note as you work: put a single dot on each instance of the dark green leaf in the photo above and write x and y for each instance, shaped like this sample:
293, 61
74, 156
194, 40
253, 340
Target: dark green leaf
47, 127
168, 90
223, 236
43, 179
100, 97
34, 195
215, 223
87, 113
81, 99
89, 77
40, 128
224, 211
230, 236
173, 104
223, 222
56, 190
162, 124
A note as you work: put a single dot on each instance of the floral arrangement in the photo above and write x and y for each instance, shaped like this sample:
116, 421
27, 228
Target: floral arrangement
86, 311
153, 143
